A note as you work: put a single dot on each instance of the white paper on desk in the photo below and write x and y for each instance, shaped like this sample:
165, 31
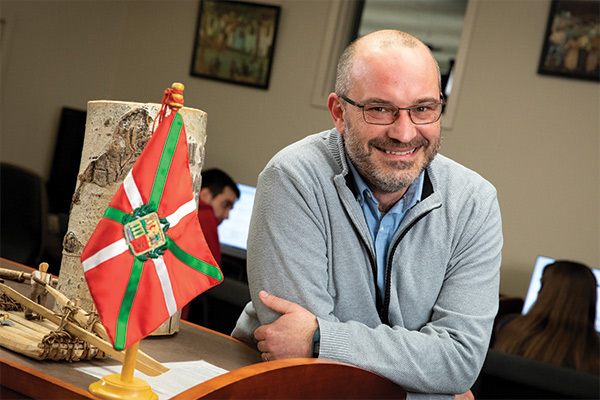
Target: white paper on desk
181, 375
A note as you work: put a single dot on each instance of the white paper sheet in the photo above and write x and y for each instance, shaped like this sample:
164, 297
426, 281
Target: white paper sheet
181, 375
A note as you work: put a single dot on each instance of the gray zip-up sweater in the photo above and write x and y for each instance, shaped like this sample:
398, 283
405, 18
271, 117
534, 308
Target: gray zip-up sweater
309, 243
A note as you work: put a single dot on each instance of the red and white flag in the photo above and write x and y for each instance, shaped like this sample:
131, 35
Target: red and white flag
147, 258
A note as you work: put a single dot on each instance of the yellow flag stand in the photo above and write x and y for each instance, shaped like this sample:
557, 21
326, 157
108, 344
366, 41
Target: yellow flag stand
124, 385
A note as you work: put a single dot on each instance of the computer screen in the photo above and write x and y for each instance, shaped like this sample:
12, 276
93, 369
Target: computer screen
233, 232
536, 283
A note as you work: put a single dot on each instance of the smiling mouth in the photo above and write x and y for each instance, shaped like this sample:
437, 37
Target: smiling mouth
399, 153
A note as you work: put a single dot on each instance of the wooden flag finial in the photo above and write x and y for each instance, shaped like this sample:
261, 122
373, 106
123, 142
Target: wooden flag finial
176, 96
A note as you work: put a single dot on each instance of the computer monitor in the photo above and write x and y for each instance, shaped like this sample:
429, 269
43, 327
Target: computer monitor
536, 283
233, 232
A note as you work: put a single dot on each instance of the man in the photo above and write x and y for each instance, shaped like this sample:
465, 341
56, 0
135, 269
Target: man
366, 246
218, 194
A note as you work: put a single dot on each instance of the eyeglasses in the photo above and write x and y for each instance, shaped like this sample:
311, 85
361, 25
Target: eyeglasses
386, 114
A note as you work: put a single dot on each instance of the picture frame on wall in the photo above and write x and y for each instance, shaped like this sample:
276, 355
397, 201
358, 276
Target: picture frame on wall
235, 42
572, 40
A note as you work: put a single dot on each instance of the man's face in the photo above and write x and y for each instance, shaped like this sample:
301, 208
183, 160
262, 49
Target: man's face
391, 157
221, 203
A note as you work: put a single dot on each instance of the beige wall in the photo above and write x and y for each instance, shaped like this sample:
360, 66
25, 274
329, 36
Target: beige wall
535, 137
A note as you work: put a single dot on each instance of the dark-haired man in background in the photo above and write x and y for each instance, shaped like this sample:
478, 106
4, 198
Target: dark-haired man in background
218, 194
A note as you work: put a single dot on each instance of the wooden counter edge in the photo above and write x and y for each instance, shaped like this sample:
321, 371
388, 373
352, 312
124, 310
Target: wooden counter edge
316, 376
37, 385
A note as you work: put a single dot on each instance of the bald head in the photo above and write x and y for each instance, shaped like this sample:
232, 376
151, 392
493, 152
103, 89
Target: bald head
373, 43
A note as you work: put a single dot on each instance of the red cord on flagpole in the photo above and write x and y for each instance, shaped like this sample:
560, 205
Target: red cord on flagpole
173, 99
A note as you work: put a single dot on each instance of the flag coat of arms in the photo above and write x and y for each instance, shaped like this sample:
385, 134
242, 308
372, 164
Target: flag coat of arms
147, 258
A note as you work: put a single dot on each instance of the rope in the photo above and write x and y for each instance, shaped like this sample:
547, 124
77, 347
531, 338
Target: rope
92, 319
8, 304
60, 345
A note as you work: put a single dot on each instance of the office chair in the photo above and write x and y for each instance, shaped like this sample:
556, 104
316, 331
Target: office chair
23, 213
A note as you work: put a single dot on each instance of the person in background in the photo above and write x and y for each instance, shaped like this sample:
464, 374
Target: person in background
218, 194
368, 247
559, 328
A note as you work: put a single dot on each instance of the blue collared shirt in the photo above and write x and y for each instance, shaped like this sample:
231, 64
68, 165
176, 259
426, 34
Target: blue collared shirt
383, 227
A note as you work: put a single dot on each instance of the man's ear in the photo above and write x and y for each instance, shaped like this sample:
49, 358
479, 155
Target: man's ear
205, 195
334, 102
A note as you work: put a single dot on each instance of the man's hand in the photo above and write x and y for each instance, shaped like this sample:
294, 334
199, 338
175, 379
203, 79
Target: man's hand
465, 396
290, 336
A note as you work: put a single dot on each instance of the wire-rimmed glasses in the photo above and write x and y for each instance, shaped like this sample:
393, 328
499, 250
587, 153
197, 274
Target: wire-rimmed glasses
386, 114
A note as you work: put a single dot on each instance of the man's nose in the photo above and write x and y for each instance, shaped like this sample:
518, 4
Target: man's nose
403, 128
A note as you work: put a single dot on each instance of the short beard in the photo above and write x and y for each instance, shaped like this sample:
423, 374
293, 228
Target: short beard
403, 174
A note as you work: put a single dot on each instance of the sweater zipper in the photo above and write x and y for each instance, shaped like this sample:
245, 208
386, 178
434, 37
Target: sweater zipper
378, 302
384, 310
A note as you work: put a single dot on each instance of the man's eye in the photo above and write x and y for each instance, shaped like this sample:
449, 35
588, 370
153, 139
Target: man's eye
380, 109
424, 109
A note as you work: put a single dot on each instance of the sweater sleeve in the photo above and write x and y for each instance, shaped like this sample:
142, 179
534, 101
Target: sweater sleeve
287, 247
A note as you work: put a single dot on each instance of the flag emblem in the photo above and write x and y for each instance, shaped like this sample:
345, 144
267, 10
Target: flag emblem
144, 234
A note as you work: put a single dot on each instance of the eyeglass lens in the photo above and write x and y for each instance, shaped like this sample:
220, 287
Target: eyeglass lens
387, 114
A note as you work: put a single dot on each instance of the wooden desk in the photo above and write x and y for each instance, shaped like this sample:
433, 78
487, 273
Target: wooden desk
249, 377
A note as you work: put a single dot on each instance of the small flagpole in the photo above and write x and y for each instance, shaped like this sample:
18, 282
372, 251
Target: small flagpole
129, 362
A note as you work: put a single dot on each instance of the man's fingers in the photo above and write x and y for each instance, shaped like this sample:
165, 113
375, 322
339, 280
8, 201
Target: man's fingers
259, 333
275, 303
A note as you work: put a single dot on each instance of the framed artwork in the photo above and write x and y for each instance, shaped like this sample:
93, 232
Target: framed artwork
572, 40
235, 42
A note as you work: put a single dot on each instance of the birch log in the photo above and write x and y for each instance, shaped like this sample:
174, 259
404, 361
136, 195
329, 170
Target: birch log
115, 135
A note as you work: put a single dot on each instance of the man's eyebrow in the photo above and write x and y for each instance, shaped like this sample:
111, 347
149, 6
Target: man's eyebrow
428, 100
377, 100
